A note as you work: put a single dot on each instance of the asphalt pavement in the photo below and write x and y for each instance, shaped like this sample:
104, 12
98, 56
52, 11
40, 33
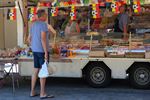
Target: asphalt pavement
75, 89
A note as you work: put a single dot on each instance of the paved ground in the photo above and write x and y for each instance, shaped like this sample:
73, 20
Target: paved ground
76, 89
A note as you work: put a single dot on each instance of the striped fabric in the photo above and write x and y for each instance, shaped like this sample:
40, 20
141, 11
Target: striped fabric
54, 11
73, 13
11, 14
31, 13
95, 11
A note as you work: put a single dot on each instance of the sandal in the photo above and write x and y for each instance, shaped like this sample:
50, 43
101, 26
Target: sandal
47, 96
36, 94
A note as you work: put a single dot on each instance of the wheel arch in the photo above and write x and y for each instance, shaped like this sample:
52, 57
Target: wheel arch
135, 64
94, 62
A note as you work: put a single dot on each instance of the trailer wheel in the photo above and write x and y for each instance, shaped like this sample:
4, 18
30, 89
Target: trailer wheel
140, 76
98, 76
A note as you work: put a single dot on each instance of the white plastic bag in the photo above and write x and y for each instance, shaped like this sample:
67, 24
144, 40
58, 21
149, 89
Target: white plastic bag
44, 73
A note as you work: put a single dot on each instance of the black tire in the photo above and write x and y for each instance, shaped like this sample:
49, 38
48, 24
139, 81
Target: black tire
140, 76
98, 75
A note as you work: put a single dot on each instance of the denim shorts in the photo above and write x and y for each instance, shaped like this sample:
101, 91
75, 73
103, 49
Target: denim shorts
39, 59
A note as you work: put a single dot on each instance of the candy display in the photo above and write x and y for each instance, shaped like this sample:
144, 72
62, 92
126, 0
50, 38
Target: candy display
10, 53
16, 52
106, 47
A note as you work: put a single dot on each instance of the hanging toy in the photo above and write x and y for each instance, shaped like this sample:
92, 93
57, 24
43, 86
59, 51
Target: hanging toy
73, 13
136, 6
95, 11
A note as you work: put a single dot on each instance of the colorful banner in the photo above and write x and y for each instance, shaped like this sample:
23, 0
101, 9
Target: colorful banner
136, 6
73, 13
32, 13
11, 14
95, 11
54, 11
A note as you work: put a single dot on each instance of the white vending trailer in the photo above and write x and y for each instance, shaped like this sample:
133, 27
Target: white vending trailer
98, 71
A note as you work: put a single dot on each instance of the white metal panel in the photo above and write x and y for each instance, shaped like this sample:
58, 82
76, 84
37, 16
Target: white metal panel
62, 69
25, 68
118, 67
74, 67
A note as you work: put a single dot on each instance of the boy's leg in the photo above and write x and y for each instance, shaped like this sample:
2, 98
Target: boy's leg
35, 72
33, 81
42, 83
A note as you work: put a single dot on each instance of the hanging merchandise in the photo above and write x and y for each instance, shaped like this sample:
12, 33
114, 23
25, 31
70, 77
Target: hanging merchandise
128, 2
11, 14
115, 7
32, 14
55, 3
95, 11
86, 1
73, 13
109, 1
66, 3
142, 2
74, 2
102, 4
94, 1
69, 2
82, 2
63, 3
124, 1
44, 4
54, 11
136, 6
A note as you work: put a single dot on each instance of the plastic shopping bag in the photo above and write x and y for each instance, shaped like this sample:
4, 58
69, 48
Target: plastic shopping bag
44, 73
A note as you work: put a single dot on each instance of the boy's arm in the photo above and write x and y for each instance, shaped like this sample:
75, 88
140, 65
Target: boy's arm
43, 40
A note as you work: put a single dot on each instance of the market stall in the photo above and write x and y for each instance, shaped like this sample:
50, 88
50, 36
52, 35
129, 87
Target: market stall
86, 45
